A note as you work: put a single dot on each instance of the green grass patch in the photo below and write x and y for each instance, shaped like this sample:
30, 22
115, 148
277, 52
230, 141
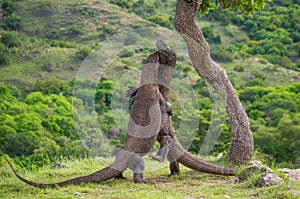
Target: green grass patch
189, 184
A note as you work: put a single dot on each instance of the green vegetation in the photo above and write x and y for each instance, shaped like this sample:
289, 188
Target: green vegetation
273, 33
38, 128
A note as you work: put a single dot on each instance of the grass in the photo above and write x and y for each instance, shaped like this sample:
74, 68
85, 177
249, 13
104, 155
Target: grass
189, 184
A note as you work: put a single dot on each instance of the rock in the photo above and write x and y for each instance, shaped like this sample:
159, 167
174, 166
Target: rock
126, 67
268, 179
114, 133
50, 67
32, 56
255, 167
247, 172
77, 194
58, 165
292, 174
285, 170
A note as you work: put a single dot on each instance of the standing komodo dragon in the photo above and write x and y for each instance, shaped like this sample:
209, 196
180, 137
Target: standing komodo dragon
147, 118
144, 125
170, 147
167, 63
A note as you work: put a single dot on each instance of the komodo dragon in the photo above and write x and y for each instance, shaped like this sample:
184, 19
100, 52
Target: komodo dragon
145, 122
170, 147
167, 61
144, 125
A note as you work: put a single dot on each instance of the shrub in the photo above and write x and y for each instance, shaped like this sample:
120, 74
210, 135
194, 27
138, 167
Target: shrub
82, 53
7, 7
239, 68
106, 31
210, 36
54, 34
73, 31
13, 22
238, 19
20, 144
279, 60
122, 3
259, 34
255, 50
61, 44
10, 39
4, 92
4, 54
255, 82
160, 20
50, 86
126, 53
222, 56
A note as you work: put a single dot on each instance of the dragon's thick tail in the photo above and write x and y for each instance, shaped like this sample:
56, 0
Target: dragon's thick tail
97, 177
193, 162
187, 159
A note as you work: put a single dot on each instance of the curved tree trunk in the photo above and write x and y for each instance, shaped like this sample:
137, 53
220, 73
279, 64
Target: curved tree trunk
215, 75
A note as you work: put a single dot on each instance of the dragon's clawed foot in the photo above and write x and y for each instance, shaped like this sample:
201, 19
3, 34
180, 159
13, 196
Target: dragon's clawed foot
156, 157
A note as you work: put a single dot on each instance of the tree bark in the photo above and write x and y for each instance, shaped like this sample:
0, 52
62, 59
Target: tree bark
199, 52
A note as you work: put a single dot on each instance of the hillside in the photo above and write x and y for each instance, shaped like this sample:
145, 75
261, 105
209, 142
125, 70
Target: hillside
53, 35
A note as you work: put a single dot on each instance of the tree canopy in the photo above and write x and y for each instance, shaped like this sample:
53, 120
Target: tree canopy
246, 6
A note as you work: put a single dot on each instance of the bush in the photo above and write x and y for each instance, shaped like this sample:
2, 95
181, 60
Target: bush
249, 26
13, 22
7, 7
126, 53
122, 3
54, 34
82, 53
238, 19
222, 56
160, 20
279, 60
61, 44
4, 92
4, 54
10, 39
209, 35
50, 86
255, 82
73, 31
239, 68
106, 31
19, 144
256, 50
